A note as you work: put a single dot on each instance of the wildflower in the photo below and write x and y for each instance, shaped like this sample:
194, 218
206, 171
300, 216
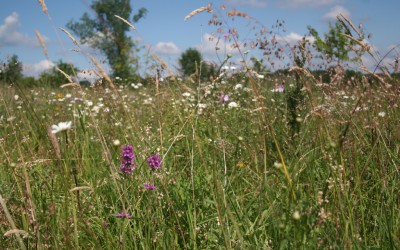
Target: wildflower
11, 118
122, 214
149, 186
127, 163
278, 164
382, 114
238, 86
241, 164
279, 89
61, 127
223, 98
116, 142
296, 215
233, 105
225, 67
202, 105
154, 161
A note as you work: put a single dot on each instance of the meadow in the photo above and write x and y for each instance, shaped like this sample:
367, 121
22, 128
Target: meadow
231, 163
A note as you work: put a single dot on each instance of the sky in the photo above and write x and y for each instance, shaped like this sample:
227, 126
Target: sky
165, 32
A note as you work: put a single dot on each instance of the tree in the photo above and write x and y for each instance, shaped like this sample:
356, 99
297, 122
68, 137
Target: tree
191, 62
12, 70
108, 34
335, 44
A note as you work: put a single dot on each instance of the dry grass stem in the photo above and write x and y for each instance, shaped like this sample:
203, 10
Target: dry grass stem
349, 22
237, 13
103, 73
72, 84
363, 45
11, 222
380, 79
75, 189
42, 44
164, 65
54, 143
44, 7
16, 231
66, 75
125, 21
70, 36
207, 8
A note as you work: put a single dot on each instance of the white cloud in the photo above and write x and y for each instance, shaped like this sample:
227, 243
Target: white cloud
211, 46
11, 36
168, 48
37, 68
306, 3
251, 3
293, 38
335, 11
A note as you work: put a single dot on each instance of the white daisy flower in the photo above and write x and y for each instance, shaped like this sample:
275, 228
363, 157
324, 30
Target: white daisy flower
61, 127
116, 142
233, 105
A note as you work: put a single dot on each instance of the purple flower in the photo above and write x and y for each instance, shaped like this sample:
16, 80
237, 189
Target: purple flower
128, 157
223, 98
122, 214
149, 186
154, 161
279, 89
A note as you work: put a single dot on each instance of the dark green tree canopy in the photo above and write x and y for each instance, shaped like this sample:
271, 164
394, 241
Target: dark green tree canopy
190, 61
108, 34
11, 71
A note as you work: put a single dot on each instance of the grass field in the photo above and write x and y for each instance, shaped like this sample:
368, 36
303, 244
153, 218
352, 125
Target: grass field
231, 176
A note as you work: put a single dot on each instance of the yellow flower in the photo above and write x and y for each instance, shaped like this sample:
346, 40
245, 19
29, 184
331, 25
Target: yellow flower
240, 164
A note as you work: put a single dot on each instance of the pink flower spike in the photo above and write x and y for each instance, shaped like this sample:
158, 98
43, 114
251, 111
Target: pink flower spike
149, 186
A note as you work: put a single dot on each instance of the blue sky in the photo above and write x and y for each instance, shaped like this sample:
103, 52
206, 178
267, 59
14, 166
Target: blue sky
165, 32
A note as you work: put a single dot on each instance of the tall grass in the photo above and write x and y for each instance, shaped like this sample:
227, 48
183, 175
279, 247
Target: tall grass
232, 176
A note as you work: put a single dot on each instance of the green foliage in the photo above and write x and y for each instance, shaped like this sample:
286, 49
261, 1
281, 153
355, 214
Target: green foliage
11, 72
108, 34
142, 12
28, 82
191, 62
53, 77
335, 45
258, 65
